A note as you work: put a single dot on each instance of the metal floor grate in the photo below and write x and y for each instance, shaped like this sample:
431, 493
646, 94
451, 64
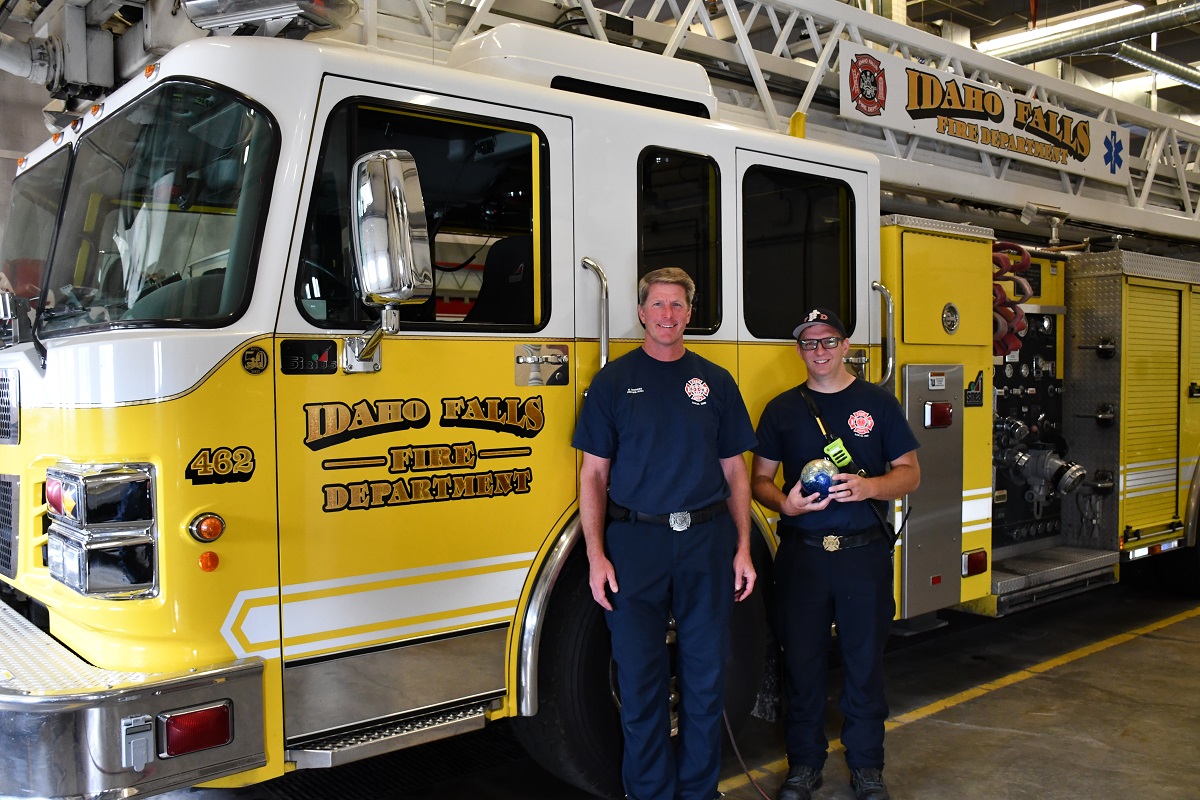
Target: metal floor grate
1048, 566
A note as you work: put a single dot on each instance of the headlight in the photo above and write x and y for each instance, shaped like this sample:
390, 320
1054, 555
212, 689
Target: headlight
91, 495
103, 537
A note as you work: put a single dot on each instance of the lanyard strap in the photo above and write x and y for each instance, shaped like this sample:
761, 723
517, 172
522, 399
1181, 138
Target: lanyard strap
835, 448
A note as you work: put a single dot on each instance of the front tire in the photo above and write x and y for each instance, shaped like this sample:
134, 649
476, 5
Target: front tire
576, 733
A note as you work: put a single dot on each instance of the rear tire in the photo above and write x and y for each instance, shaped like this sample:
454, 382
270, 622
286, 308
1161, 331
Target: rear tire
1179, 571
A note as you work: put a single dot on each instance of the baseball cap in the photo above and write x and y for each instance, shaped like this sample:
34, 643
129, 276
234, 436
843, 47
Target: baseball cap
820, 316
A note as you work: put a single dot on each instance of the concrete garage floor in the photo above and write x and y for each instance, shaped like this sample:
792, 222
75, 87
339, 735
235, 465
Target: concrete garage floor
1095, 696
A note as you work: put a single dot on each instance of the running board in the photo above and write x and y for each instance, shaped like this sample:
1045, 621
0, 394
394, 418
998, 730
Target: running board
1034, 578
363, 743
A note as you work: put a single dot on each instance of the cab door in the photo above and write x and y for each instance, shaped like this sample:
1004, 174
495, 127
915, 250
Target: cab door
807, 236
416, 487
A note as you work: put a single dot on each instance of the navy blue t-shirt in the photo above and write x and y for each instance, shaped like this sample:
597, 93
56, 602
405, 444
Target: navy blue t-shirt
664, 425
871, 425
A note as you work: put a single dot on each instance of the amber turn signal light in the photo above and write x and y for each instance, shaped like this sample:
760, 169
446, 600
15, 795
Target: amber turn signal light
206, 527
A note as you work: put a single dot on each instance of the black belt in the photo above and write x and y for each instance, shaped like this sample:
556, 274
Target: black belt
832, 540
678, 520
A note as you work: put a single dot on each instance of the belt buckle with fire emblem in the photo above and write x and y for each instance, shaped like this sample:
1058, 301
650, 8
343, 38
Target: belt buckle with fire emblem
832, 543
680, 520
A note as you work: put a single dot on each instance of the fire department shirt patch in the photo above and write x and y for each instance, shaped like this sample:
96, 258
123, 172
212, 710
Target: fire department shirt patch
861, 423
697, 390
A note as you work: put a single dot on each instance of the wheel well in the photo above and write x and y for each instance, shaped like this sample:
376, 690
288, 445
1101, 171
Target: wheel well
1191, 514
535, 615
534, 619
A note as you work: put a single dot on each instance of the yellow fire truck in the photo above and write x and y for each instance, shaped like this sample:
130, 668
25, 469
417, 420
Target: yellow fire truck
297, 332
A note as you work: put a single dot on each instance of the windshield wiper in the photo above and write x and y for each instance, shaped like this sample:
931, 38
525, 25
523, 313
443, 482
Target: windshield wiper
64, 313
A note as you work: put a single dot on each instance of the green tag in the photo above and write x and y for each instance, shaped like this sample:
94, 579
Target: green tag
838, 453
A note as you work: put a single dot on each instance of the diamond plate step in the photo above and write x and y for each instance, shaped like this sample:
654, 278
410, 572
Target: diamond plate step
355, 745
33, 663
1053, 567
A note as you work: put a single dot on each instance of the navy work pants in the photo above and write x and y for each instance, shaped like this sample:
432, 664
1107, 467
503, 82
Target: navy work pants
852, 588
688, 575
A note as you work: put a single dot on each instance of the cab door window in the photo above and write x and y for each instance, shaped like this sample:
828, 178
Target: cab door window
484, 185
797, 248
679, 225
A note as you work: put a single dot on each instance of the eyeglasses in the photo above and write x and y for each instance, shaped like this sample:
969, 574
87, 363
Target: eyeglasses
829, 343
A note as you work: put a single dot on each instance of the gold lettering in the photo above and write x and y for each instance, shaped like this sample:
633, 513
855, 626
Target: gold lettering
1021, 116
401, 458
336, 498
419, 489
440, 457
326, 419
400, 494
1083, 140
924, 91
452, 407
523, 478
464, 486
380, 492
534, 418
441, 486
359, 496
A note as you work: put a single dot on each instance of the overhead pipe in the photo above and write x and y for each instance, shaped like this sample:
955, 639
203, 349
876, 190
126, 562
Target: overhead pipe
30, 60
1165, 17
1144, 58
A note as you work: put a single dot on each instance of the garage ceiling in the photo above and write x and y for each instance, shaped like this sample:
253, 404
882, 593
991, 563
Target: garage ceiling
990, 19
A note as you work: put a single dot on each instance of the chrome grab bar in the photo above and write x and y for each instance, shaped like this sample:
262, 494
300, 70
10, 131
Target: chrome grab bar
587, 263
889, 333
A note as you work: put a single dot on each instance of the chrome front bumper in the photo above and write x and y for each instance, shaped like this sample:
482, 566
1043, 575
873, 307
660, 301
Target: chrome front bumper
61, 721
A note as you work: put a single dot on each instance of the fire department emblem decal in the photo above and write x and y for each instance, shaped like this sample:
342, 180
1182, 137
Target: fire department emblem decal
697, 390
861, 423
868, 85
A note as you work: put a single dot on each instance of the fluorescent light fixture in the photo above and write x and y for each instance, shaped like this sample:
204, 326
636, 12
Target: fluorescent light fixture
1024, 37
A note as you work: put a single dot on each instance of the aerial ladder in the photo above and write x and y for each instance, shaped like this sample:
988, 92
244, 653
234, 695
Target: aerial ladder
774, 64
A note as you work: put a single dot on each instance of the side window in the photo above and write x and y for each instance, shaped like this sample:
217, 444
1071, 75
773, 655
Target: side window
485, 193
797, 249
679, 224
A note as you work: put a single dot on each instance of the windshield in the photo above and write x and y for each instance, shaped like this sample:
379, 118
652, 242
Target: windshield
162, 214
36, 198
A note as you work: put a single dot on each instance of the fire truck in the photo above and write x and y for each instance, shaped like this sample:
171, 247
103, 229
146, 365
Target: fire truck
300, 305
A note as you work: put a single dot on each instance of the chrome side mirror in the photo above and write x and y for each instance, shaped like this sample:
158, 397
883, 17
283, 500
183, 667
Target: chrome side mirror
390, 232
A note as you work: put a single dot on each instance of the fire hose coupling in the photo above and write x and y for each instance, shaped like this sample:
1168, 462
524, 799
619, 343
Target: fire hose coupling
1012, 429
103, 537
1046, 472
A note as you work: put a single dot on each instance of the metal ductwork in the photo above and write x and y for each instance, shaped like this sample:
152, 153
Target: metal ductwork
1144, 58
1161, 18
31, 60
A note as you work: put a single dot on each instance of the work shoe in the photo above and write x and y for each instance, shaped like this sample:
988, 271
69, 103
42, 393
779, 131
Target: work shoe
868, 784
800, 783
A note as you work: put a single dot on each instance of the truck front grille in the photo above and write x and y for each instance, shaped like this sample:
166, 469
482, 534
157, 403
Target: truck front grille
10, 406
9, 494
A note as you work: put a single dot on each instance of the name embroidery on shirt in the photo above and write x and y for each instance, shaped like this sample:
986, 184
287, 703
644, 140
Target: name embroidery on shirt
635, 390
697, 390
